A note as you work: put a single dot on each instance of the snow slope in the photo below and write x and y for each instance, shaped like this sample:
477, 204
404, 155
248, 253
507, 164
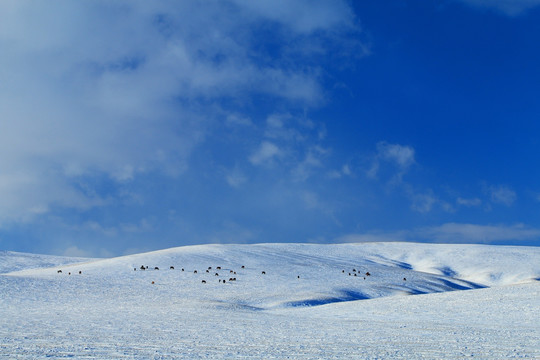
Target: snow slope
306, 305
14, 261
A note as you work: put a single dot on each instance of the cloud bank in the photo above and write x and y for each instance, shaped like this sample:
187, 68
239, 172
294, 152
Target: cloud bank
96, 91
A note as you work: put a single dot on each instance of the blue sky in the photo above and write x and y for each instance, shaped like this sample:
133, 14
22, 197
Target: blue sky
130, 126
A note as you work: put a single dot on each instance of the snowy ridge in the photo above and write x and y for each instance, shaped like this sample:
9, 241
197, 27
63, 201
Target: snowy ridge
310, 274
304, 306
14, 261
483, 264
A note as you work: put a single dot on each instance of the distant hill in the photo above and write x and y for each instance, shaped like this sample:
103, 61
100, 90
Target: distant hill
14, 261
301, 274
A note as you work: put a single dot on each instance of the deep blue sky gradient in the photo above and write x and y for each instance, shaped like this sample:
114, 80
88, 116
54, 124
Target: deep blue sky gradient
245, 122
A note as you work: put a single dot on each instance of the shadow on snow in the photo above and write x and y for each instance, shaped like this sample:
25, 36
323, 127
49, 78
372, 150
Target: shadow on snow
348, 295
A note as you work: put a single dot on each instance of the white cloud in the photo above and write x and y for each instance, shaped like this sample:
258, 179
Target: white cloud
373, 170
275, 121
469, 202
295, 142
302, 16
508, 7
502, 195
235, 178
400, 156
117, 89
265, 153
312, 161
279, 127
337, 174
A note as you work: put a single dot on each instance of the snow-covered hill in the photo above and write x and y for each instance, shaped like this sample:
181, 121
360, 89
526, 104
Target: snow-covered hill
13, 261
267, 293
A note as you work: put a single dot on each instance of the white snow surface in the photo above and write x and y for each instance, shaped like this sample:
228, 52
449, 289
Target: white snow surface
14, 261
305, 306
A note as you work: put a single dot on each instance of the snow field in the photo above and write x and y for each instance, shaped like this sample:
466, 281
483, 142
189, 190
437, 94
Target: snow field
112, 311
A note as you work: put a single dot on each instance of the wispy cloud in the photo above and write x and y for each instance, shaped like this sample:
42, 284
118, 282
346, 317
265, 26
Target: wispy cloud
508, 7
236, 178
423, 202
502, 194
400, 156
463, 233
454, 233
280, 127
238, 120
338, 174
265, 153
472, 202
115, 90
311, 162
302, 16
390, 164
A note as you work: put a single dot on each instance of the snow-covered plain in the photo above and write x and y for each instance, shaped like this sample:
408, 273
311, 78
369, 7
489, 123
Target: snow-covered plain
305, 306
